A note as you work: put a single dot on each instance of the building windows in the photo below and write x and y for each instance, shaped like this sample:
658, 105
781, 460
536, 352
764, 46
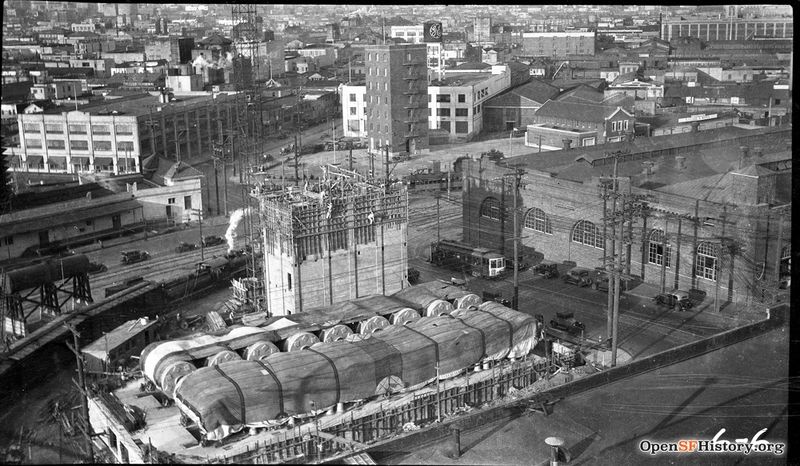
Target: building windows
352, 110
386, 86
462, 98
490, 208
429, 97
78, 145
77, 129
443, 112
462, 112
443, 98
656, 249
33, 143
30, 128
124, 129
462, 127
54, 128
537, 220
585, 232
445, 125
57, 144
101, 129
187, 202
477, 109
171, 200
102, 146
8, 241
125, 146
352, 97
706, 261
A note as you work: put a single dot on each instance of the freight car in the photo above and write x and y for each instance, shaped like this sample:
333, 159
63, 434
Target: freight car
236, 394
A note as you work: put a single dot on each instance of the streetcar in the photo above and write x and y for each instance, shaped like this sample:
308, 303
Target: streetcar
479, 262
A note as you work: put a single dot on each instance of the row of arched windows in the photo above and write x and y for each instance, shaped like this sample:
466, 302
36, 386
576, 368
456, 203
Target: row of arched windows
587, 233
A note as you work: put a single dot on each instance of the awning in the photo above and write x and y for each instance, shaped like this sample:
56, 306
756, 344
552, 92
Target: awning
69, 217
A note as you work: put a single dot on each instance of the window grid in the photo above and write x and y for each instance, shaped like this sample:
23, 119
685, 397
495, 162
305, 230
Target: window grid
706, 261
490, 208
536, 219
585, 232
656, 249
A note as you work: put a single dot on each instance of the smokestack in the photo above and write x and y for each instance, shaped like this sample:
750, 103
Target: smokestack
680, 162
567, 143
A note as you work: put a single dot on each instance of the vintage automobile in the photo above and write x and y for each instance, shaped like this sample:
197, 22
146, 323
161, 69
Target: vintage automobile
97, 267
131, 257
212, 240
677, 299
578, 276
185, 247
601, 281
566, 321
547, 269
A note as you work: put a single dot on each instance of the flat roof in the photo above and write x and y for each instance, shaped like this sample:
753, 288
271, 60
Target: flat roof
136, 105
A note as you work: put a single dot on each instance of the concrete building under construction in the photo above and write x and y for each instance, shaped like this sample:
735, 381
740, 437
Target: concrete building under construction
341, 239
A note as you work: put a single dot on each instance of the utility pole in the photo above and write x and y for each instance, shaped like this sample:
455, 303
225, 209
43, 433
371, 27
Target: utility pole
515, 299
81, 384
438, 195
296, 158
615, 320
718, 262
202, 246
664, 255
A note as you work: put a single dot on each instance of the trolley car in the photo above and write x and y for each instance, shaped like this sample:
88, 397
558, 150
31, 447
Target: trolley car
479, 262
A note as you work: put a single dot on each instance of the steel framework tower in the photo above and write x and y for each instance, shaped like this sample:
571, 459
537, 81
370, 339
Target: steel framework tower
246, 140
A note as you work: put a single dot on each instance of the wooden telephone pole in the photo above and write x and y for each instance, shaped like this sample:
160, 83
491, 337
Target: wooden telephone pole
81, 384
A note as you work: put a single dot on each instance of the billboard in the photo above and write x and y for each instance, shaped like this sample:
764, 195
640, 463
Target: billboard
432, 31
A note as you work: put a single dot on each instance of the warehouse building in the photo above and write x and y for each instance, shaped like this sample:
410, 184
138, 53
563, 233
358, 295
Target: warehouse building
113, 136
722, 197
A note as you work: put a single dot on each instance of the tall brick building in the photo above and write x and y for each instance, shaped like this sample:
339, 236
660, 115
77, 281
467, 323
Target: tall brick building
722, 196
397, 98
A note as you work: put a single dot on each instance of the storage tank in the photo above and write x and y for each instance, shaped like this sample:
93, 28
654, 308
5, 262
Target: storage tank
47, 272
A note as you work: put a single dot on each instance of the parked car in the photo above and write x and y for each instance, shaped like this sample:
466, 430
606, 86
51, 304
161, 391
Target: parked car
212, 240
96, 267
601, 281
677, 299
566, 321
523, 264
185, 247
496, 297
578, 276
546, 268
131, 257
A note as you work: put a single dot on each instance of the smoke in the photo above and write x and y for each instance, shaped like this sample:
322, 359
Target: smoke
236, 218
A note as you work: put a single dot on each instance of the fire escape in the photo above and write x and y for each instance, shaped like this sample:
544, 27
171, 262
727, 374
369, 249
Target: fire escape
417, 103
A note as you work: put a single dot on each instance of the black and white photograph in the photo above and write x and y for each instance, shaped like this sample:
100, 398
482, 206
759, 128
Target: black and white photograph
398, 234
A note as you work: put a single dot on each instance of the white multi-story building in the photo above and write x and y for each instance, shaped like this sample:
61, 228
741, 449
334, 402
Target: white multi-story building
455, 104
354, 108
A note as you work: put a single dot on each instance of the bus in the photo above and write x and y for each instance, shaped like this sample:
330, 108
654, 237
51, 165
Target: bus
479, 262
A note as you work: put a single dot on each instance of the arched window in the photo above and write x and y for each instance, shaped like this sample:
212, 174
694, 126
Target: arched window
490, 208
536, 219
656, 249
585, 232
706, 261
